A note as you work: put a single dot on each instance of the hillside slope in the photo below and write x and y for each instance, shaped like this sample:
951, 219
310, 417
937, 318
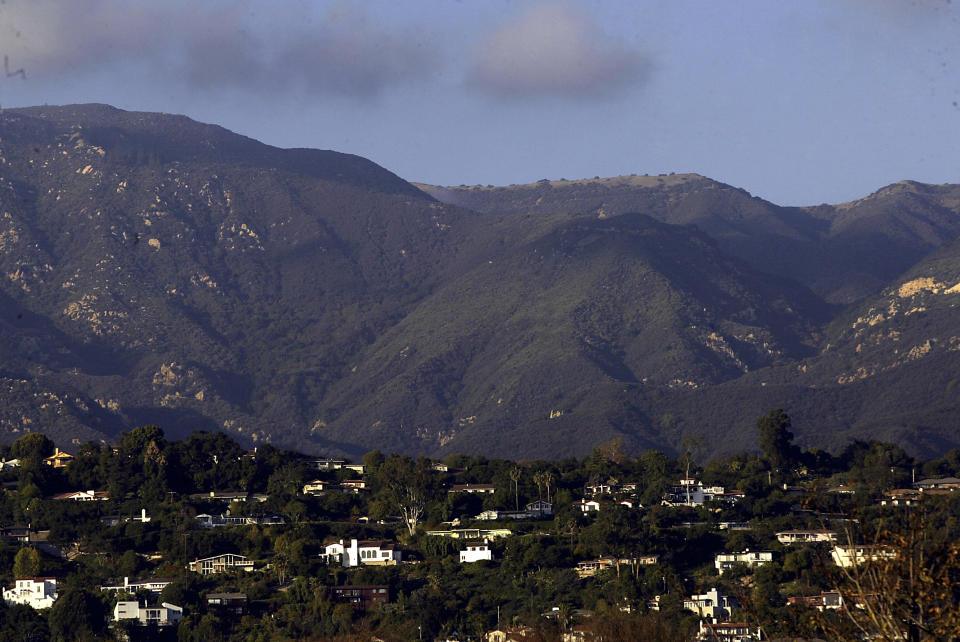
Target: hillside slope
555, 325
159, 270
216, 282
843, 253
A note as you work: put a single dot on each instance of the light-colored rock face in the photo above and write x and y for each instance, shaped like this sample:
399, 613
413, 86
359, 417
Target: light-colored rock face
880, 336
923, 284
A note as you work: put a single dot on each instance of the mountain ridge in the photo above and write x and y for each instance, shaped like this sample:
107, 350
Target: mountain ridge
159, 270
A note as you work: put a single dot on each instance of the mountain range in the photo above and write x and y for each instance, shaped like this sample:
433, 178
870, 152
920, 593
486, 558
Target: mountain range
159, 270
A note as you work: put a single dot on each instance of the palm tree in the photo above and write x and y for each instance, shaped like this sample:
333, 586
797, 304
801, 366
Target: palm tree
538, 480
515, 473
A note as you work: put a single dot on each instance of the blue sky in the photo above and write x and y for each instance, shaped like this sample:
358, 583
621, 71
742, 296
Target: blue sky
799, 102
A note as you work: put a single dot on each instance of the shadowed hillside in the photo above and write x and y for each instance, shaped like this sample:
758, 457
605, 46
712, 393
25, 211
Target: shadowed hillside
160, 270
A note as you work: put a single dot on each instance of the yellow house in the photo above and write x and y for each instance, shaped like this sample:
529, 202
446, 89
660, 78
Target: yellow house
59, 459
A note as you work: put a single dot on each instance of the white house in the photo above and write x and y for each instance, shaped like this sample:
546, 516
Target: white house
84, 495
164, 615
38, 592
752, 559
221, 564
587, 506
728, 632
851, 556
482, 489
361, 552
804, 537
9, 463
476, 551
154, 585
600, 488
690, 492
711, 604
472, 533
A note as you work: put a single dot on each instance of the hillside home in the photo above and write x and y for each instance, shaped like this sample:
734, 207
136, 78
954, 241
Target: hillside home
154, 585
846, 556
37, 592
360, 597
472, 533
496, 515
84, 495
59, 459
325, 464
215, 521
113, 520
726, 561
481, 489
6, 464
23, 535
353, 485
711, 604
826, 600
728, 632
589, 568
805, 537
580, 633
601, 488
317, 486
475, 552
950, 483
690, 492
587, 506
228, 496
370, 552
901, 497
164, 615
512, 634
227, 604
221, 564
539, 508
357, 468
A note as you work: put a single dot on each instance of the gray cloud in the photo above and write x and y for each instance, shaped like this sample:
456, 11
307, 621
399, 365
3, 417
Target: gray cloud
214, 45
554, 50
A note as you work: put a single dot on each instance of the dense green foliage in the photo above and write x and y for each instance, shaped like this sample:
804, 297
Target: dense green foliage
532, 580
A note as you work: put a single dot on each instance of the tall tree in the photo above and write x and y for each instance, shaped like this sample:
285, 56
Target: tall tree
515, 474
407, 485
26, 563
776, 440
77, 615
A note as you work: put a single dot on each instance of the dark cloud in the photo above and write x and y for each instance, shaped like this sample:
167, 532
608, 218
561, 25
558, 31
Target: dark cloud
215, 45
554, 50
